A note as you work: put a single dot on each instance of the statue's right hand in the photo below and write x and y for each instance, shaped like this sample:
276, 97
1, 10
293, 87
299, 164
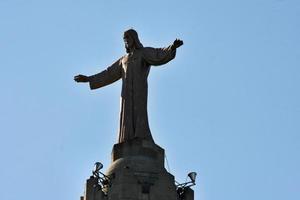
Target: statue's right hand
81, 78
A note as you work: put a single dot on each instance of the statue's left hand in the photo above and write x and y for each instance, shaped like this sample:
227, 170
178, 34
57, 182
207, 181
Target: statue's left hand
177, 43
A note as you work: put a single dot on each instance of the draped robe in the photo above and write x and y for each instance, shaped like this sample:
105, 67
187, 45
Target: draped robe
134, 69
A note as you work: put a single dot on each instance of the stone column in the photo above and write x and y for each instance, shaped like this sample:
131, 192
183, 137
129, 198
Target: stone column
138, 168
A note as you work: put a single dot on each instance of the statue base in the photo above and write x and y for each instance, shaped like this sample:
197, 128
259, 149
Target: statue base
137, 172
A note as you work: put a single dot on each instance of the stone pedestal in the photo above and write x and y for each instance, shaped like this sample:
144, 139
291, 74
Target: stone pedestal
137, 173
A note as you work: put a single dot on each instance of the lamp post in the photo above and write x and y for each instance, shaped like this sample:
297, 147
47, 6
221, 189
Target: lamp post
102, 179
182, 187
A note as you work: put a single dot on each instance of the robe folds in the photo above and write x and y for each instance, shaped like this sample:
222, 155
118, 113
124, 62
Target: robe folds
134, 69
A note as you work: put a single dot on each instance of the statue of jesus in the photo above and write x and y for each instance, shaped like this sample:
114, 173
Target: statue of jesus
134, 69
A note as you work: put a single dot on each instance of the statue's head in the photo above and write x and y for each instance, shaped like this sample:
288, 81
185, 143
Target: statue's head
131, 40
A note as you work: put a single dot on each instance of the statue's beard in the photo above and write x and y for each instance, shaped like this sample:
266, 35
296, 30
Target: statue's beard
129, 49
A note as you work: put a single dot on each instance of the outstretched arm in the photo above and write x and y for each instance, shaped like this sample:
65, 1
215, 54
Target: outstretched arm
160, 56
106, 77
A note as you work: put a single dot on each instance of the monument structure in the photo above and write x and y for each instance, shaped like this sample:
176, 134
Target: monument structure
137, 169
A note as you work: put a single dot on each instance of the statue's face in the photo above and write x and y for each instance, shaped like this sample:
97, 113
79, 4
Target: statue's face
128, 41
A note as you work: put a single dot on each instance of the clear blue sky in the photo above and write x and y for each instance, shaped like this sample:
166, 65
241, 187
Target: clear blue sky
228, 106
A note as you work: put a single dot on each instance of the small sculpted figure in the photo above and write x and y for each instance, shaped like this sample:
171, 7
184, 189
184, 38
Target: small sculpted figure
133, 68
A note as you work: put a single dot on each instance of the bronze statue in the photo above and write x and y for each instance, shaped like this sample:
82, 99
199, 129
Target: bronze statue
133, 68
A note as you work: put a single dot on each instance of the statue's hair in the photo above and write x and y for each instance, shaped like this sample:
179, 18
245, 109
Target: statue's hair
134, 35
